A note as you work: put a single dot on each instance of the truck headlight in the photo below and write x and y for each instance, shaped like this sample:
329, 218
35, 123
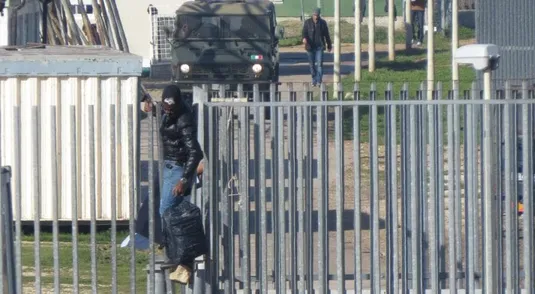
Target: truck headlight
184, 68
257, 68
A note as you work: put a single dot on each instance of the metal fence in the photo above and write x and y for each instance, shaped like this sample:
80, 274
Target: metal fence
382, 190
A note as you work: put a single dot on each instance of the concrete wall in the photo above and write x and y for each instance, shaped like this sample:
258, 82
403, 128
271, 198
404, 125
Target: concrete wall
137, 23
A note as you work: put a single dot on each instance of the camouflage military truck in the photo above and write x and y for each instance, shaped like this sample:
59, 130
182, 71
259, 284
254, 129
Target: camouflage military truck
226, 43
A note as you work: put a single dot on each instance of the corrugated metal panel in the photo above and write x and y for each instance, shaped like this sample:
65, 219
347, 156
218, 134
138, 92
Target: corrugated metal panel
27, 92
510, 25
62, 93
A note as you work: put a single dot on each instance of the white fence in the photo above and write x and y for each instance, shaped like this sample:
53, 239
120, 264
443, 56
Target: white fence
70, 133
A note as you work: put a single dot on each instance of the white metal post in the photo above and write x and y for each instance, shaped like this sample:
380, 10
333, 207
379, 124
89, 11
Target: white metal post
430, 49
336, 41
489, 203
454, 39
391, 31
357, 42
371, 35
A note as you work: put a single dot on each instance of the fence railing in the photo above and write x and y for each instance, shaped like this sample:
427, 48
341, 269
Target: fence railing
390, 194
381, 190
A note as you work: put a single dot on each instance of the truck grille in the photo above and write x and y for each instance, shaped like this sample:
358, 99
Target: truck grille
223, 72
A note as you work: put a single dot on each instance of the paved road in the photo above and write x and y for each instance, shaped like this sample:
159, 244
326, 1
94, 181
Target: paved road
294, 66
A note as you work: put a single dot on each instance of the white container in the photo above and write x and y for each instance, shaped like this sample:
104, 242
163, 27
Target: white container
66, 76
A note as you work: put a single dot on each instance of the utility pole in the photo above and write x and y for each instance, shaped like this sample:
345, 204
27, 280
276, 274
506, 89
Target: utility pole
336, 41
371, 35
430, 49
391, 31
357, 42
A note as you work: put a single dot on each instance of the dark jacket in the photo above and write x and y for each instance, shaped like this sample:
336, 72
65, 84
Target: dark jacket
316, 34
179, 137
418, 5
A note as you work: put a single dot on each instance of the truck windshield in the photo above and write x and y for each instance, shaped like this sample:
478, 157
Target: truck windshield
222, 27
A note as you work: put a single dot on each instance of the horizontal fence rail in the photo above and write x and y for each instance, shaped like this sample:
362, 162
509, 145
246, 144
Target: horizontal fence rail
370, 190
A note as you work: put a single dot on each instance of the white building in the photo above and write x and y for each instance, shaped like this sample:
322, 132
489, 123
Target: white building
143, 22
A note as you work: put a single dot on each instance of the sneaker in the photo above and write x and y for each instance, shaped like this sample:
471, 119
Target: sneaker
419, 43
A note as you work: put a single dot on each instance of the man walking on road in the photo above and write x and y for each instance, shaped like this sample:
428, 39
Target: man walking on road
316, 38
417, 17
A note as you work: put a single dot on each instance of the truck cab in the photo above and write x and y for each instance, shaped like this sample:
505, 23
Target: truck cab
226, 43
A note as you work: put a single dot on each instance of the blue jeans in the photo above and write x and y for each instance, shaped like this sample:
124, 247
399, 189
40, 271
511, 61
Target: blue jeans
315, 60
172, 173
417, 17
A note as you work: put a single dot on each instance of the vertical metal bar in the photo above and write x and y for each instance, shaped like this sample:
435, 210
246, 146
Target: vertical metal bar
456, 193
256, 187
92, 195
479, 190
309, 188
357, 191
36, 196
392, 198
132, 196
244, 199
292, 189
55, 200
274, 184
388, 188
374, 196
452, 236
74, 199
527, 169
406, 188
510, 179
113, 199
432, 164
415, 205
439, 135
281, 287
17, 194
4, 222
489, 216
423, 215
210, 191
152, 274
300, 200
263, 207
340, 180
224, 136
470, 193
323, 192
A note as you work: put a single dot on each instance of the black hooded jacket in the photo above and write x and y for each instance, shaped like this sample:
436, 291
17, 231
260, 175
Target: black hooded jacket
179, 135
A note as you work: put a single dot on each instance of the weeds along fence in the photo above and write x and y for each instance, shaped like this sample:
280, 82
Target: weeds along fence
382, 190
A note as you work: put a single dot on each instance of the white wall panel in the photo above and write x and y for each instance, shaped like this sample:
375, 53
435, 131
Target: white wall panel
62, 93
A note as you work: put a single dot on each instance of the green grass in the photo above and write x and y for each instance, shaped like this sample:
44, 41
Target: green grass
104, 266
410, 68
292, 34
